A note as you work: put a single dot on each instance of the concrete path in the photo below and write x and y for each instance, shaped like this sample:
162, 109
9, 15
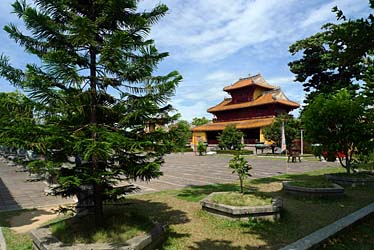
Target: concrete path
180, 170
16, 193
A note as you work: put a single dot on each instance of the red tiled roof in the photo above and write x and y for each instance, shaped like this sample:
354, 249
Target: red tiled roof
256, 80
243, 124
262, 100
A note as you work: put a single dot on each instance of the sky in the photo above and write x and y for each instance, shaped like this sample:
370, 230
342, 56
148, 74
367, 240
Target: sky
213, 43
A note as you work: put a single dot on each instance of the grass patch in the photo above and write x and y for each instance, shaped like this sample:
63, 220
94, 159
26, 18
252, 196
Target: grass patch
312, 184
358, 175
13, 240
238, 199
191, 228
120, 226
197, 193
301, 216
235, 152
358, 237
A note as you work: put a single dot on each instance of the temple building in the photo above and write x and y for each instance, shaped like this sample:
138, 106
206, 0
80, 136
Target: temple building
253, 105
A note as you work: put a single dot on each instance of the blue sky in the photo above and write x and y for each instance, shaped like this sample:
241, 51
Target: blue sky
213, 43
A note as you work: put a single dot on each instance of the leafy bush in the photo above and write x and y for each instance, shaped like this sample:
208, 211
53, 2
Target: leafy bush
240, 152
241, 167
201, 148
231, 138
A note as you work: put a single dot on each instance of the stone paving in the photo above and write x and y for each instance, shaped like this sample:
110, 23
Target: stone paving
180, 170
17, 193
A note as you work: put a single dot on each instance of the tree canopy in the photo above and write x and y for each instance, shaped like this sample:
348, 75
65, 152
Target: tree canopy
95, 90
337, 121
181, 134
292, 128
230, 138
197, 121
339, 56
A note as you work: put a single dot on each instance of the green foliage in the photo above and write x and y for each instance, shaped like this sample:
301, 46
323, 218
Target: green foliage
230, 138
337, 122
201, 148
93, 93
241, 167
196, 121
17, 124
317, 150
240, 152
338, 57
292, 128
181, 134
365, 161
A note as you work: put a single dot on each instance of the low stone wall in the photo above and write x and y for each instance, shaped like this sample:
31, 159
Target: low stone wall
336, 190
2, 241
314, 240
349, 181
268, 212
44, 240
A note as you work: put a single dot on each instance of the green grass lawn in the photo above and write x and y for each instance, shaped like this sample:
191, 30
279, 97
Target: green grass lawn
14, 241
312, 184
120, 225
191, 228
363, 175
238, 199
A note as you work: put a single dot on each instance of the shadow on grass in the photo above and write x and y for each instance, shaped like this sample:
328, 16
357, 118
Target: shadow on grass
22, 217
209, 244
121, 223
300, 216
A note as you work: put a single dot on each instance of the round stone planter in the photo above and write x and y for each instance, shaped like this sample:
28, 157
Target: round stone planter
350, 180
269, 212
333, 191
44, 240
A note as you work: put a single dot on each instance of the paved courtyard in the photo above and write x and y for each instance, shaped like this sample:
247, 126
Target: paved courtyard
180, 170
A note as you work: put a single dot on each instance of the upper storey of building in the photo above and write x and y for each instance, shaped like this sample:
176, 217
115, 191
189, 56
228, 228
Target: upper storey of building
252, 97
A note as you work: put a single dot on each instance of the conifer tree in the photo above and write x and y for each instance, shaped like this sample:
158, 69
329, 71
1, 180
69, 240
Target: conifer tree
95, 90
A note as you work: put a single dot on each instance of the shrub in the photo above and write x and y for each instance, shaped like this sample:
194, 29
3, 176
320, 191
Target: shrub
241, 167
241, 152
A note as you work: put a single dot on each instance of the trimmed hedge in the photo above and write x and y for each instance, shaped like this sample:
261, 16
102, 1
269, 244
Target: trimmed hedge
184, 150
241, 152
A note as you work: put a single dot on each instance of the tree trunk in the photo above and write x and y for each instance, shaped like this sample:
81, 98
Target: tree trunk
347, 162
98, 209
241, 185
99, 212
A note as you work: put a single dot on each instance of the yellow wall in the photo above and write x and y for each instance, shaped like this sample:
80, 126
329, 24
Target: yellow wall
196, 136
257, 93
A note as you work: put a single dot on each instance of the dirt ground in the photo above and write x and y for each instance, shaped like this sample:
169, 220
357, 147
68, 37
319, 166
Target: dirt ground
28, 220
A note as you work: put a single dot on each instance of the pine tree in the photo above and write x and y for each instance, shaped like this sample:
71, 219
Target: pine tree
95, 90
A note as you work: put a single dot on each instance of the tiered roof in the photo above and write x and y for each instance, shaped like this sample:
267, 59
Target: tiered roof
270, 97
242, 124
256, 80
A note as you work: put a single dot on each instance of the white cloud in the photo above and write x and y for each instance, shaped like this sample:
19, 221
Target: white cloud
214, 42
212, 30
191, 110
282, 80
323, 13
